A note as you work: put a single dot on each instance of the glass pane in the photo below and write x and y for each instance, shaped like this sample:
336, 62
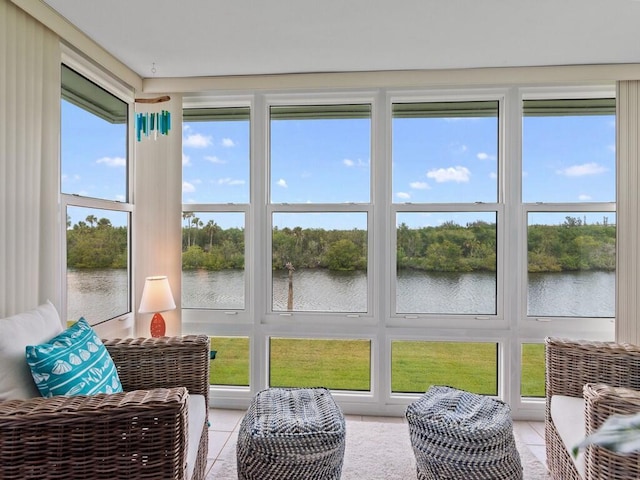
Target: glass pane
231, 365
216, 155
97, 264
317, 150
533, 370
93, 140
416, 365
572, 264
568, 151
334, 364
445, 152
213, 260
446, 263
319, 262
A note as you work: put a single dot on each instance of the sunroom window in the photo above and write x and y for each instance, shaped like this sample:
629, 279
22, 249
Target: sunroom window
568, 188
95, 195
445, 192
320, 191
215, 196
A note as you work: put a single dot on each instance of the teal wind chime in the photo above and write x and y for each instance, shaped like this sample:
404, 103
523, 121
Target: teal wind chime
150, 124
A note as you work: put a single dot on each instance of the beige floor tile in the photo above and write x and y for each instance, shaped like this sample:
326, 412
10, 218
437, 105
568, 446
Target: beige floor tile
527, 433
224, 420
217, 441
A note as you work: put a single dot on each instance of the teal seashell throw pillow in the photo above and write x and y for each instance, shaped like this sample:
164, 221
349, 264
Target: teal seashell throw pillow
75, 362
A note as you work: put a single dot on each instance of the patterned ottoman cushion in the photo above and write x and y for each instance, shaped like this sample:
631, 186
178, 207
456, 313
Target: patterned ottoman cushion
291, 433
458, 434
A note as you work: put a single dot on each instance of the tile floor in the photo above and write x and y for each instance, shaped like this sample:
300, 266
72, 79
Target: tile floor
225, 423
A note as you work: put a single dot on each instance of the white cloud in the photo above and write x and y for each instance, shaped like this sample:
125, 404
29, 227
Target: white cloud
456, 174
196, 140
282, 183
228, 143
485, 156
230, 181
186, 160
403, 195
354, 163
493, 175
584, 197
121, 198
612, 147
113, 161
188, 187
419, 185
214, 159
582, 170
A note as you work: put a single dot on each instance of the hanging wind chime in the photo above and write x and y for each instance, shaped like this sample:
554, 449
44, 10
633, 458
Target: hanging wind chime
150, 124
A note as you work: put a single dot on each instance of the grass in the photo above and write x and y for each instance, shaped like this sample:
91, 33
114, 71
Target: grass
345, 365
416, 365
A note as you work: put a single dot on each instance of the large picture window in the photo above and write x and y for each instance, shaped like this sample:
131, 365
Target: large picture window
94, 191
378, 242
215, 195
320, 190
568, 188
446, 256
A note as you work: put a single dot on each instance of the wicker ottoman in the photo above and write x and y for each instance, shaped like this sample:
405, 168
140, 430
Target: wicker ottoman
457, 434
291, 433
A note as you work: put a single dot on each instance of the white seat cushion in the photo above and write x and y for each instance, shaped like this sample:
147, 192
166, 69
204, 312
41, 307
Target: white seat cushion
16, 332
567, 414
197, 417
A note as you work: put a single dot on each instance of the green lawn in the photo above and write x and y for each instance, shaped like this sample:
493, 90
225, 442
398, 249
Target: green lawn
345, 365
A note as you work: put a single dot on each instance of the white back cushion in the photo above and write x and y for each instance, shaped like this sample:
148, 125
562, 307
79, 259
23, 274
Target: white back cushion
16, 332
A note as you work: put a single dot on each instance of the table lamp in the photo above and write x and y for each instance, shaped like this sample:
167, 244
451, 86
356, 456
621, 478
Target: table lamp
156, 298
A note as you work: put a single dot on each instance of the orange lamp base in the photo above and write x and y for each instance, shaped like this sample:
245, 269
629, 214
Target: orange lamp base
158, 327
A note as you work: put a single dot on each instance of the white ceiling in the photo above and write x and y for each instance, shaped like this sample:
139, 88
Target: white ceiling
186, 38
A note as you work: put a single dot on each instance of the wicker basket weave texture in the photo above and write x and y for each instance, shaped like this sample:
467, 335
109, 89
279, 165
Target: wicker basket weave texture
607, 376
457, 434
290, 433
138, 434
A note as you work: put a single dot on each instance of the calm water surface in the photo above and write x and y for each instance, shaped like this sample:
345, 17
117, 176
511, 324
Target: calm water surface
101, 294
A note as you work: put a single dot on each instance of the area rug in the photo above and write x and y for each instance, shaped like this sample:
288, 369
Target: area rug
376, 451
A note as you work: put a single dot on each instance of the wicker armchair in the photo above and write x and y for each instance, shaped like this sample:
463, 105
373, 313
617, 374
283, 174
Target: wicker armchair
607, 376
139, 434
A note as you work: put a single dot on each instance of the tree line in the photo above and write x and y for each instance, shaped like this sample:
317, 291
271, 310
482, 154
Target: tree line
96, 243
574, 245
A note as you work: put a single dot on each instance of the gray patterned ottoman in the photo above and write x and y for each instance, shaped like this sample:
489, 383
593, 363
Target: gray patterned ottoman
291, 433
461, 435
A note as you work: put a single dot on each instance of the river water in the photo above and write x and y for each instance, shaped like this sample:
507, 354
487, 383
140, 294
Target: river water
101, 294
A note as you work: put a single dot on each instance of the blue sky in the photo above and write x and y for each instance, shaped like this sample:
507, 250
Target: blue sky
565, 159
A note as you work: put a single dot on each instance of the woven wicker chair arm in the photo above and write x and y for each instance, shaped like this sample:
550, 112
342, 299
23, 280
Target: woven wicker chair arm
139, 434
602, 401
73, 409
571, 364
146, 363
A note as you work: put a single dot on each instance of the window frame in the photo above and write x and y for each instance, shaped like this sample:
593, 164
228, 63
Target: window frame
306, 317
509, 328
203, 319
110, 84
460, 320
562, 325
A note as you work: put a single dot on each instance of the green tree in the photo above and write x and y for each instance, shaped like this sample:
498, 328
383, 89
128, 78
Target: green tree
344, 255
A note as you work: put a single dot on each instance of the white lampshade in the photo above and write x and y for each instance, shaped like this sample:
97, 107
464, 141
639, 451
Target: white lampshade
156, 295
